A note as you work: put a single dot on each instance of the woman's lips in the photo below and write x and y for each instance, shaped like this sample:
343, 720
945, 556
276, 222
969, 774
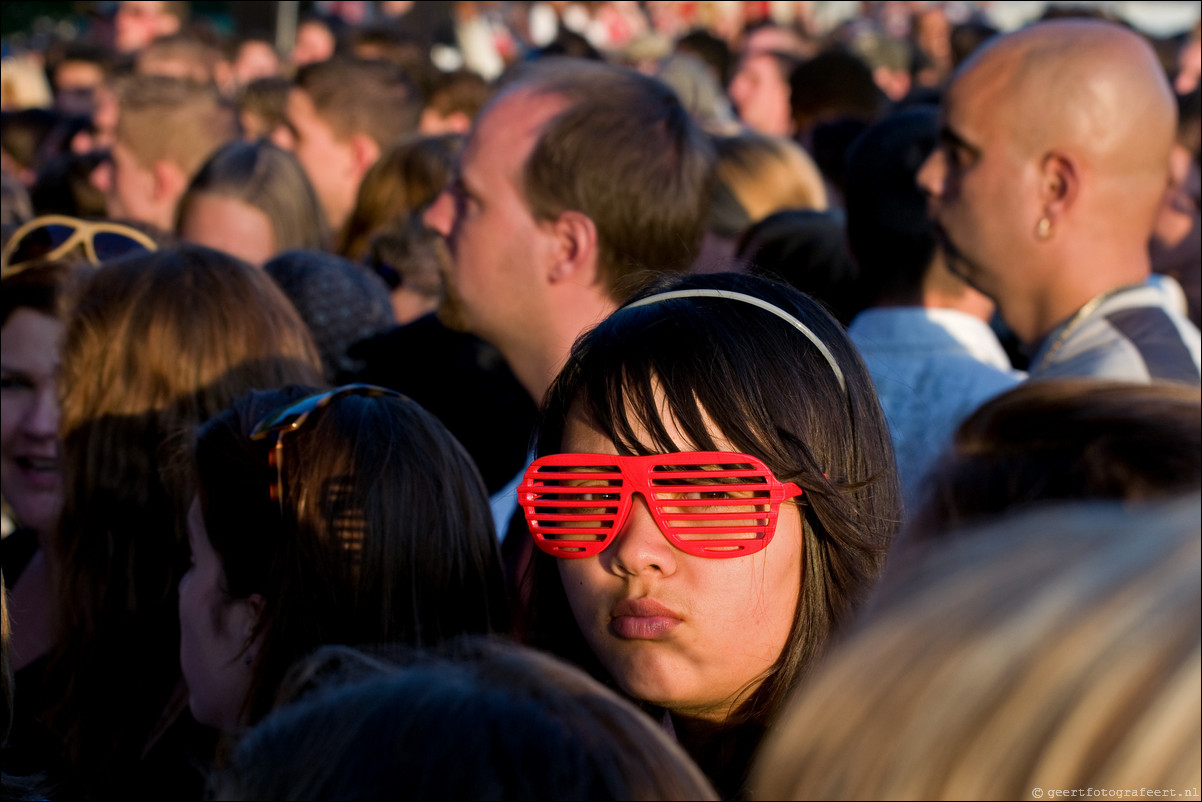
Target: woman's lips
642, 619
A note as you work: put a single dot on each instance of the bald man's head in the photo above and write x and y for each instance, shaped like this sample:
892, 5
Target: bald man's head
1053, 161
1090, 87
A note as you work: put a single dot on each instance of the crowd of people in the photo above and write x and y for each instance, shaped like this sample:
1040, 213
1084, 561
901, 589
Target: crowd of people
608, 400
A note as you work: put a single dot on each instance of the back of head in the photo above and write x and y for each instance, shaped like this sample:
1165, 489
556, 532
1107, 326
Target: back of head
263, 106
759, 175
1062, 440
454, 99
396, 45
1055, 650
64, 186
712, 50
806, 249
833, 85
627, 154
169, 119
183, 55
409, 256
340, 301
155, 345
888, 229
383, 533
182, 323
494, 721
266, 178
360, 96
698, 89
406, 178
967, 37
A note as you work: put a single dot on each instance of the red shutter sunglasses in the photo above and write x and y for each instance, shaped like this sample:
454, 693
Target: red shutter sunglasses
717, 504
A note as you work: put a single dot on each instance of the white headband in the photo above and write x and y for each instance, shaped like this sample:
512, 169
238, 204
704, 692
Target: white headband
762, 304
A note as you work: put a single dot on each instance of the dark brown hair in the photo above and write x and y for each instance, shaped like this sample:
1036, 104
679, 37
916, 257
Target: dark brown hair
404, 180
773, 395
386, 534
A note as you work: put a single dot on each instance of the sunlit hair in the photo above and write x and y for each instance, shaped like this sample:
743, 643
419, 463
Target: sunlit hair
180, 55
403, 181
627, 154
772, 394
459, 92
483, 719
1059, 649
266, 178
758, 175
263, 106
1062, 440
173, 120
386, 534
157, 344
353, 95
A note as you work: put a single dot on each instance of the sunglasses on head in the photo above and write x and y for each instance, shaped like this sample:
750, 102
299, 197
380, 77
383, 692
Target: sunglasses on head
54, 236
716, 504
291, 417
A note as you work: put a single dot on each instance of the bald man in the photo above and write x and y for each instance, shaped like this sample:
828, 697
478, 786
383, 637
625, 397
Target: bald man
1053, 159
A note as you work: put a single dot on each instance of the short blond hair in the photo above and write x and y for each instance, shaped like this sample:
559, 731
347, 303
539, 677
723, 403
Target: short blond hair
169, 119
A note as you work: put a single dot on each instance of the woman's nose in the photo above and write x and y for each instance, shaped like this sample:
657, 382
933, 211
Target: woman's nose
640, 545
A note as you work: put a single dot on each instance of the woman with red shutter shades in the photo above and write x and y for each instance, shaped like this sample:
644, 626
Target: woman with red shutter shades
714, 495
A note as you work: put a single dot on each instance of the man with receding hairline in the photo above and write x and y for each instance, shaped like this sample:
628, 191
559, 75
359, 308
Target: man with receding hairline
579, 183
1045, 187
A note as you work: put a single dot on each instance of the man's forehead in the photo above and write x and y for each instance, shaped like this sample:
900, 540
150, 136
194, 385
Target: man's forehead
510, 125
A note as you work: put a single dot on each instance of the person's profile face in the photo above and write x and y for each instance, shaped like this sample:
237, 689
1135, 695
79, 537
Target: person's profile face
314, 43
30, 473
498, 250
329, 161
760, 95
216, 650
137, 23
692, 634
978, 183
255, 60
131, 188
